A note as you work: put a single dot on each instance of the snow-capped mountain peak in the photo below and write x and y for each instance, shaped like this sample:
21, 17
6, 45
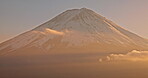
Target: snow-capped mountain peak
76, 30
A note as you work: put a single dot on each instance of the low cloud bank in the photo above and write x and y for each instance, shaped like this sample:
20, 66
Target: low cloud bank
130, 56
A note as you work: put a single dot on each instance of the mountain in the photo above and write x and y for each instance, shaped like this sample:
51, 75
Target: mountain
74, 31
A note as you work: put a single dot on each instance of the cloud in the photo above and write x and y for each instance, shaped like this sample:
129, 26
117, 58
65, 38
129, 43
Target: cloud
48, 31
130, 56
54, 31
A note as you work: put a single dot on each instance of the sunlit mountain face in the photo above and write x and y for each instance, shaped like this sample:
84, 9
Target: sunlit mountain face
78, 43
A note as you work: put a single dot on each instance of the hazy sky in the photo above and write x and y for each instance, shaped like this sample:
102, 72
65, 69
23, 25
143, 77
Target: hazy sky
17, 16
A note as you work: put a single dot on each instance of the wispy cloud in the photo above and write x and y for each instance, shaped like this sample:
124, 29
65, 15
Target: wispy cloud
54, 31
48, 31
130, 56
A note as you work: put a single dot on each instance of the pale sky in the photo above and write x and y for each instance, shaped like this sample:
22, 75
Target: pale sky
18, 16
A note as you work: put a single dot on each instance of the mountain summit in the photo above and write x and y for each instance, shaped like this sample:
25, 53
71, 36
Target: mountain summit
74, 31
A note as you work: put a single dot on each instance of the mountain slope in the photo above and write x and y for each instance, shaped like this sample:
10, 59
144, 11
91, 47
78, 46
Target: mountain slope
74, 31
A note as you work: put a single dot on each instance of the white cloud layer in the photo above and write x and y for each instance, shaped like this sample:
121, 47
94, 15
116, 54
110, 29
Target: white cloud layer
130, 56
